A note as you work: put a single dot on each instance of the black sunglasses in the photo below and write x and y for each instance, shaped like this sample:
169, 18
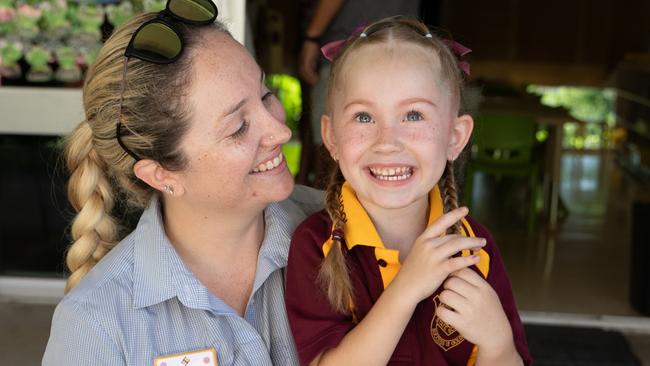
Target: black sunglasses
160, 42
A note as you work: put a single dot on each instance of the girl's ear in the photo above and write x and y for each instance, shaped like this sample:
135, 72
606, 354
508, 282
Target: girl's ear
327, 132
460, 133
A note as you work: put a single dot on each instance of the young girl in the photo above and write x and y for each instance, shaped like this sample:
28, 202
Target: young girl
375, 278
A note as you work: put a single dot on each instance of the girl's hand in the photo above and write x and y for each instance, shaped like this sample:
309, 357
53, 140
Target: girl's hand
473, 308
431, 258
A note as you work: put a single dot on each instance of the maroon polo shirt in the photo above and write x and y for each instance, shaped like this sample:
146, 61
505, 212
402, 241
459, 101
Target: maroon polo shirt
427, 340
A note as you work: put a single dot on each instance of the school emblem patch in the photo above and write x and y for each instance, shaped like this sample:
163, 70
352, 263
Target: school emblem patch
442, 333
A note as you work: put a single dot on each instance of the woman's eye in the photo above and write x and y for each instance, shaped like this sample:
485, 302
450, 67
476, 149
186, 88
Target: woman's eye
241, 131
268, 95
413, 116
363, 118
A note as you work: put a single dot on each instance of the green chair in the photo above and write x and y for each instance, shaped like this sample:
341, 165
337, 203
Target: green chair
504, 144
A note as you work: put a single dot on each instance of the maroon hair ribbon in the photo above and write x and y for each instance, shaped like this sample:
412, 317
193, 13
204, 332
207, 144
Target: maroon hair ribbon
331, 50
460, 51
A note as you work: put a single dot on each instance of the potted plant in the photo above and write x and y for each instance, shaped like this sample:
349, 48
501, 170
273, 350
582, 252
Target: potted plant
39, 70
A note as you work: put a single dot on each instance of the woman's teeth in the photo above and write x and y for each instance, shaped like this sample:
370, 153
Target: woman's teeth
273, 163
392, 174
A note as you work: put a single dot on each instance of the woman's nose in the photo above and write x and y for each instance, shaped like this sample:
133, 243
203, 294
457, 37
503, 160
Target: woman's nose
277, 134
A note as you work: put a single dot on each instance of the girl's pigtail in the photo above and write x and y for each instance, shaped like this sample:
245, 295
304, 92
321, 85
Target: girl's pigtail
450, 195
94, 231
334, 275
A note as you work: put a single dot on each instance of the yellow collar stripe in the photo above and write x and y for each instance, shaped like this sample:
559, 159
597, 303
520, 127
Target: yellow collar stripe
359, 229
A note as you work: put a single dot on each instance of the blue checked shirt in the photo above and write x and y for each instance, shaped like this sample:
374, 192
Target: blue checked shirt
141, 302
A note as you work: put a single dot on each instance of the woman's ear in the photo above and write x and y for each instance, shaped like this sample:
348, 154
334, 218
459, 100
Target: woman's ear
159, 178
461, 130
327, 132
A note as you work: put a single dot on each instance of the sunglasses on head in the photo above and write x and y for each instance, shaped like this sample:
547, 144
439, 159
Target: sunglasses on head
160, 42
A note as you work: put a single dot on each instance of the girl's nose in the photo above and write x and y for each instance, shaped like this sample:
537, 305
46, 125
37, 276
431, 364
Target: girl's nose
388, 139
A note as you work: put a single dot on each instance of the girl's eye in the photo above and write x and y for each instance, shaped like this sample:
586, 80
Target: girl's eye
363, 117
413, 116
241, 131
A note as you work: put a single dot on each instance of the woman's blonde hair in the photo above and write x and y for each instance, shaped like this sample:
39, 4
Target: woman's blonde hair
154, 118
334, 275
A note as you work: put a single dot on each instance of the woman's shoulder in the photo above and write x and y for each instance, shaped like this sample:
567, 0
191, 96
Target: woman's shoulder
312, 233
111, 279
307, 198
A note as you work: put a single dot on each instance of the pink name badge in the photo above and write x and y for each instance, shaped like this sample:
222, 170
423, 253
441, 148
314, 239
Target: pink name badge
202, 357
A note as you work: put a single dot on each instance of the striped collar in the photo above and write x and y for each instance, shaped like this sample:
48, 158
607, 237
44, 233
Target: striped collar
359, 229
159, 273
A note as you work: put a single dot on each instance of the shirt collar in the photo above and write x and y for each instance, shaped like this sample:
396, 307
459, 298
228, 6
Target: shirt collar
359, 229
280, 220
160, 274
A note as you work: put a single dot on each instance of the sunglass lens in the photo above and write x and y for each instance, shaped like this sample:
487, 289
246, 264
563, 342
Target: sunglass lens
157, 42
194, 10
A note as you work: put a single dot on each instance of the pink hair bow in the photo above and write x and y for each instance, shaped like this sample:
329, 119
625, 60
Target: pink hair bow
331, 50
460, 51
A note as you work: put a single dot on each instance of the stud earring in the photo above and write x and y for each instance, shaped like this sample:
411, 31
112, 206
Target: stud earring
169, 189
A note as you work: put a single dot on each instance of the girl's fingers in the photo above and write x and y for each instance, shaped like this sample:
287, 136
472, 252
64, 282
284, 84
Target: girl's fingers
457, 263
469, 276
454, 300
448, 316
460, 243
445, 221
459, 285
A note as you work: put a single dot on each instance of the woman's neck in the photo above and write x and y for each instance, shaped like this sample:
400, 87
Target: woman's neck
220, 248
196, 231
398, 228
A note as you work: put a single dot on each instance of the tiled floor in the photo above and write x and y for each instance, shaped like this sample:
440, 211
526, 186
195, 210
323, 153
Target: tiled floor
583, 269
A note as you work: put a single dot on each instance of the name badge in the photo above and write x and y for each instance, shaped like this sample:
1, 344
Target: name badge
202, 357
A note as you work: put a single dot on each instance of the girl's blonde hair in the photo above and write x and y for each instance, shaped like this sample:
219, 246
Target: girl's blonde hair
334, 275
154, 119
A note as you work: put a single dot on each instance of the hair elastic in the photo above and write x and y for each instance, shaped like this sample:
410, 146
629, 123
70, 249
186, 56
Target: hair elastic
337, 235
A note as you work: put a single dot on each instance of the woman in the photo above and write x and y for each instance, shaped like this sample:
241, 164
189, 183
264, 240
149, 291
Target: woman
178, 121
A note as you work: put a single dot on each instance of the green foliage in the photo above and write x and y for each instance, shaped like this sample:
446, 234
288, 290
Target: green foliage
10, 53
37, 58
584, 104
119, 14
593, 106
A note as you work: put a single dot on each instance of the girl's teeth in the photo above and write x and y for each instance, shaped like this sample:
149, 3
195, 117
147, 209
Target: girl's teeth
397, 173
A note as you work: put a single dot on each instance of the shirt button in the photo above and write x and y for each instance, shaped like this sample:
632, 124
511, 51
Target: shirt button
382, 262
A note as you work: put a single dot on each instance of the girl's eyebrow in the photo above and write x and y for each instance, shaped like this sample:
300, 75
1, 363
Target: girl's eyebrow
403, 102
417, 100
364, 102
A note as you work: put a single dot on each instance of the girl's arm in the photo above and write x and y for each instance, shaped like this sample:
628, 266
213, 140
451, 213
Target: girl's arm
430, 261
501, 326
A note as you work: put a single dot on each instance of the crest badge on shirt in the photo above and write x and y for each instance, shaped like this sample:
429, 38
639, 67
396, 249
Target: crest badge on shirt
202, 357
445, 336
